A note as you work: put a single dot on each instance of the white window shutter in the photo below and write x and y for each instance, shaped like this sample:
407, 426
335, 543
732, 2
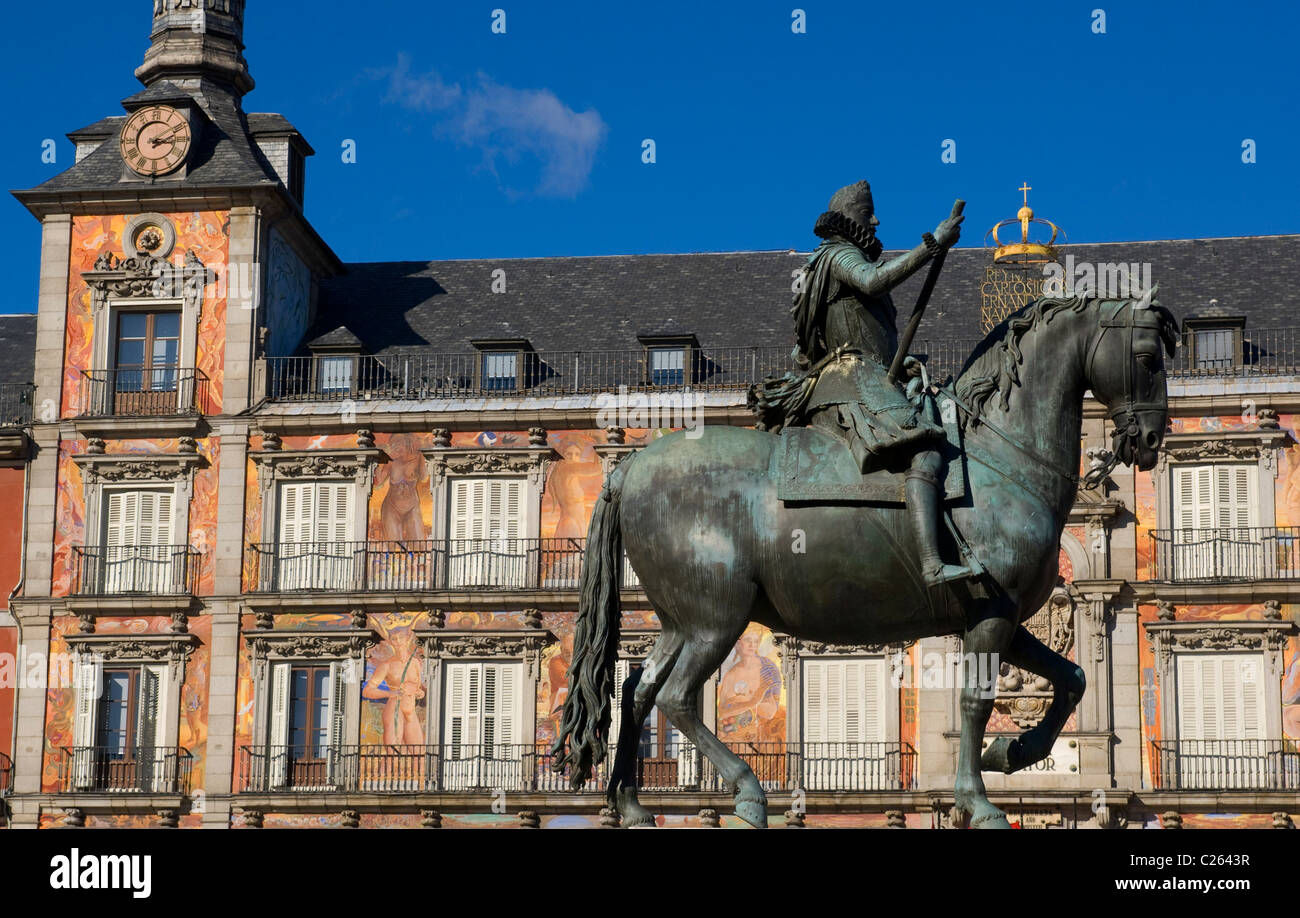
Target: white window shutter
88, 675
622, 669
814, 701
335, 727
278, 726
296, 513
463, 693
1190, 725
333, 512
121, 506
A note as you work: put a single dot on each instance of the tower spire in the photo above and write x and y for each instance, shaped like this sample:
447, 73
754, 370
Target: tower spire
197, 40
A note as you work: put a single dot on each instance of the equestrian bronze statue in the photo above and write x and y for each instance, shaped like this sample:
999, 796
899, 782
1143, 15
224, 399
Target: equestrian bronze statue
831, 522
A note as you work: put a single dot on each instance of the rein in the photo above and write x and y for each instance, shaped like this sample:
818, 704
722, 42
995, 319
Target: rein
1127, 428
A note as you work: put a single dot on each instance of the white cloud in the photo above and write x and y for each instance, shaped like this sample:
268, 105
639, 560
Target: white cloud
507, 125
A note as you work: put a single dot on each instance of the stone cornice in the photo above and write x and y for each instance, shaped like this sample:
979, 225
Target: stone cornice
635, 644
137, 466
134, 648
525, 645
1218, 635
344, 463
532, 461
1208, 446
314, 644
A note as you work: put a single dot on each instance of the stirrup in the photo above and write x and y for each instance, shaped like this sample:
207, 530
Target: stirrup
947, 573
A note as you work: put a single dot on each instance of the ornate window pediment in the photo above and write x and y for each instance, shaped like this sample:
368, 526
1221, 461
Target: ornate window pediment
531, 461
275, 464
99, 466
313, 644
173, 649
524, 645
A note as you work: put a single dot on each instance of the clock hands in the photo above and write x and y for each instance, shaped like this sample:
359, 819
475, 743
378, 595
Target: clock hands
162, 138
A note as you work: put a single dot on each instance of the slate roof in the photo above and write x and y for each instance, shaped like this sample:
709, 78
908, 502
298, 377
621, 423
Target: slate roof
223, 155
742, 298
17, 348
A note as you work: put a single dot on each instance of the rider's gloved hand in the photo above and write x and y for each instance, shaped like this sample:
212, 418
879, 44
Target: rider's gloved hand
948, 232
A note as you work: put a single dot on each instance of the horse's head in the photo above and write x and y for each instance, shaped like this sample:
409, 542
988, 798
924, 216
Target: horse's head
1125, 368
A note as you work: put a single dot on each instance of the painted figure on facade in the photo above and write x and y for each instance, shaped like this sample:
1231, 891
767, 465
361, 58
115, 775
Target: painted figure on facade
405, 471
845, 321
398, 681
749, 694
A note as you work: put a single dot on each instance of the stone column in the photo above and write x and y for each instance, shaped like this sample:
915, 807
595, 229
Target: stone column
29, 724
1126, 698
244, 298
224, 659
937, 712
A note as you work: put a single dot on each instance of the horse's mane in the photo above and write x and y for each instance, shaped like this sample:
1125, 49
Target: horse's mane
994, 364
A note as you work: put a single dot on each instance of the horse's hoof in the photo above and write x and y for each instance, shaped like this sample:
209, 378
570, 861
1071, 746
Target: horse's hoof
638, 817
994, 819
753, 812
1003, 755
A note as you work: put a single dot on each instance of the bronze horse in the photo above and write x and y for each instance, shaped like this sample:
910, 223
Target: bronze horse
702, 526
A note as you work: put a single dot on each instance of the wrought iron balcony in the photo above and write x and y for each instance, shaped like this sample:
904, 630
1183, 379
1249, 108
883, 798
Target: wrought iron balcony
521, 768
143, 393
535, 374
1248, 765
421, 566
123, 570
140, 769
1226, 553
6, 774
16, 404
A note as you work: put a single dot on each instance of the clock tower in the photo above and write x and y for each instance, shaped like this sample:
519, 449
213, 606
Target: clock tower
175, 258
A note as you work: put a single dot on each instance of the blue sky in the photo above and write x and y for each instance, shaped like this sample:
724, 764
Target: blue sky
529, 143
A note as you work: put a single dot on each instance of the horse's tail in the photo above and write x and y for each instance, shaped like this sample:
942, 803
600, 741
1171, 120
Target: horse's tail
587, 708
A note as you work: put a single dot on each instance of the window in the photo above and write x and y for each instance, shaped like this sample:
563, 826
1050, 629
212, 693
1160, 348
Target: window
665, 758
1215, 511
844, 724
148, 351
1216, 348
485, 548
306, 725
481, 726
1220, 720
336, 374
667, 366
500, 370
117, 731
315, 542
136, 554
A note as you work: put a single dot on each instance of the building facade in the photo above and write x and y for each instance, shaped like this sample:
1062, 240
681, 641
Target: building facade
301, 540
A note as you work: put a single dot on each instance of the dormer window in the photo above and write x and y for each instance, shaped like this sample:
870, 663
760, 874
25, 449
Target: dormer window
670, 360
1215, 342
504, 364
336, 374
667, 366
500, 370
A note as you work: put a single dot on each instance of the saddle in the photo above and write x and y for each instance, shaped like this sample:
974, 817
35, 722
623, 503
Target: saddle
813, 466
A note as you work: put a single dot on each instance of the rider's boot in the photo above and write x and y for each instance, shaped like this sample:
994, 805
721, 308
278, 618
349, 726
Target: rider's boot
922, 492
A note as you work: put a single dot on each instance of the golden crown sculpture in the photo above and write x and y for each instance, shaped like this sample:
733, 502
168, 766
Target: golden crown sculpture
1026, 251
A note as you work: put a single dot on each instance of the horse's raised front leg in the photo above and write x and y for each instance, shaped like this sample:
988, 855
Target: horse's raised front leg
1008, 754
985, 642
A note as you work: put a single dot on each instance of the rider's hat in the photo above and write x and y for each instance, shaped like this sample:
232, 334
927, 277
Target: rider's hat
848, 215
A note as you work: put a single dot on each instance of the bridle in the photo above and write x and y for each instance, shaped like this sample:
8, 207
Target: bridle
1124, 414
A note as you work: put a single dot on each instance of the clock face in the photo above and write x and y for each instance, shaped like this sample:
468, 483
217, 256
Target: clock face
155, 140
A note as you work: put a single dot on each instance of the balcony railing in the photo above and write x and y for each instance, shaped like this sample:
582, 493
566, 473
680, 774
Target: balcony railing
538, 374
16, 404
142, 769
150, 570
418, 566
150, 393
1226, 553
6, 774
1258, 765
382, 769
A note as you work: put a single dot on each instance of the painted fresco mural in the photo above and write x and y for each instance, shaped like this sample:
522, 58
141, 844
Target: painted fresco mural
751, 692
70, 509
206, 233
288, 297
1286, 512
60, 704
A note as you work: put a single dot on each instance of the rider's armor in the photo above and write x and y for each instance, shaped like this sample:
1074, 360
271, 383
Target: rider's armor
846, 325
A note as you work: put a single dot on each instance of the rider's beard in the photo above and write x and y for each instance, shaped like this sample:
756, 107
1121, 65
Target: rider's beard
873, 248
